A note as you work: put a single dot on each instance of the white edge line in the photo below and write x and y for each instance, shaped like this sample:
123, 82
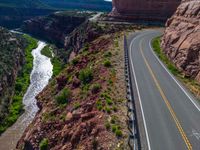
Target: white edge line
138, 92
191, 99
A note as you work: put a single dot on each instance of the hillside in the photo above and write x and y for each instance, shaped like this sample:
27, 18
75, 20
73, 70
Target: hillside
84, 107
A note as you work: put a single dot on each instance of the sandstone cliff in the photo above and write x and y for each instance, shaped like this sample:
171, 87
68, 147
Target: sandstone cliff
11, 60
181, 40
148, 10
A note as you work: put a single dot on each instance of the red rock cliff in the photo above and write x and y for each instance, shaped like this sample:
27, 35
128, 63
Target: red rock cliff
144, 9
181, 40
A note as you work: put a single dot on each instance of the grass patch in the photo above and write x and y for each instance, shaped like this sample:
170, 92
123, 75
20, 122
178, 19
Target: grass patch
21, 85
192, 85
163, 57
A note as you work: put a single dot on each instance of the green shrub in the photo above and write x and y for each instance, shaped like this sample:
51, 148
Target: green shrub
107, 109
63, 96
114, 128
107, 63
44, 144
99, 105
114, 108
107, 125
77, 105
109, 101
75, 61
86, 76
86, 47
95, 88
118, 133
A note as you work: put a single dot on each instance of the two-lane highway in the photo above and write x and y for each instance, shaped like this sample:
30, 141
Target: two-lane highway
170, 115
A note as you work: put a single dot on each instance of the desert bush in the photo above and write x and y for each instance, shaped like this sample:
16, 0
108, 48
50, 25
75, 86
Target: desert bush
107, 63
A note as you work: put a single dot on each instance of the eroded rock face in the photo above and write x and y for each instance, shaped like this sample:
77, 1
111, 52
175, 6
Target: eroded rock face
181, 40
156, 10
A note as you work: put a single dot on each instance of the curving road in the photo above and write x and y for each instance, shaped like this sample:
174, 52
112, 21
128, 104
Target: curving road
170, 116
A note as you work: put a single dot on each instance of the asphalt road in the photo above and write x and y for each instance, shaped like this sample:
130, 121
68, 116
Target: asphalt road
170, 114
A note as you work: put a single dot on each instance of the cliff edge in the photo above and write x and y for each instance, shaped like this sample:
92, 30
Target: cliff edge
181, 40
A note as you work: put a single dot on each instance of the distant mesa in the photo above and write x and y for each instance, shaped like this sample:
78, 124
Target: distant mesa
148, 10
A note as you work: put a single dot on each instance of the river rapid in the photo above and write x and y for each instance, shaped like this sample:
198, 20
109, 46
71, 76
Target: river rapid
40, 75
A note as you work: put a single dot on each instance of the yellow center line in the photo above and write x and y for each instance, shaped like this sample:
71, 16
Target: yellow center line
180, 129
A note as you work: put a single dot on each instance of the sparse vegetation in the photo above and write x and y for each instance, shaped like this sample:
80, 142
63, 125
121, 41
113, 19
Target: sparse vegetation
44, 144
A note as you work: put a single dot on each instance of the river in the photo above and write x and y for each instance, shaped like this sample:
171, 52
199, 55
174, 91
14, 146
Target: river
40, 75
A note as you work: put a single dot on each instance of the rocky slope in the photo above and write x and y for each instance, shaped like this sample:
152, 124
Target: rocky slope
181, 40
152, 10
11, 60
84, 106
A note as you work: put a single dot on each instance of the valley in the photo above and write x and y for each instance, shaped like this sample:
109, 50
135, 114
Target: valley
87, 76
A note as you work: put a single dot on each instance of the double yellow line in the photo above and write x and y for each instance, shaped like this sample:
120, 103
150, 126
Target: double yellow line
180, 129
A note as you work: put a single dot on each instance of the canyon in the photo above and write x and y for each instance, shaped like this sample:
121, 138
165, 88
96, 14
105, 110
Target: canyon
181, 38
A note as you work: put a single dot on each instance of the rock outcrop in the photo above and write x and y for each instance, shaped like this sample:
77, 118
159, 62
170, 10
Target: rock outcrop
181, 40
11, 60
148, 10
